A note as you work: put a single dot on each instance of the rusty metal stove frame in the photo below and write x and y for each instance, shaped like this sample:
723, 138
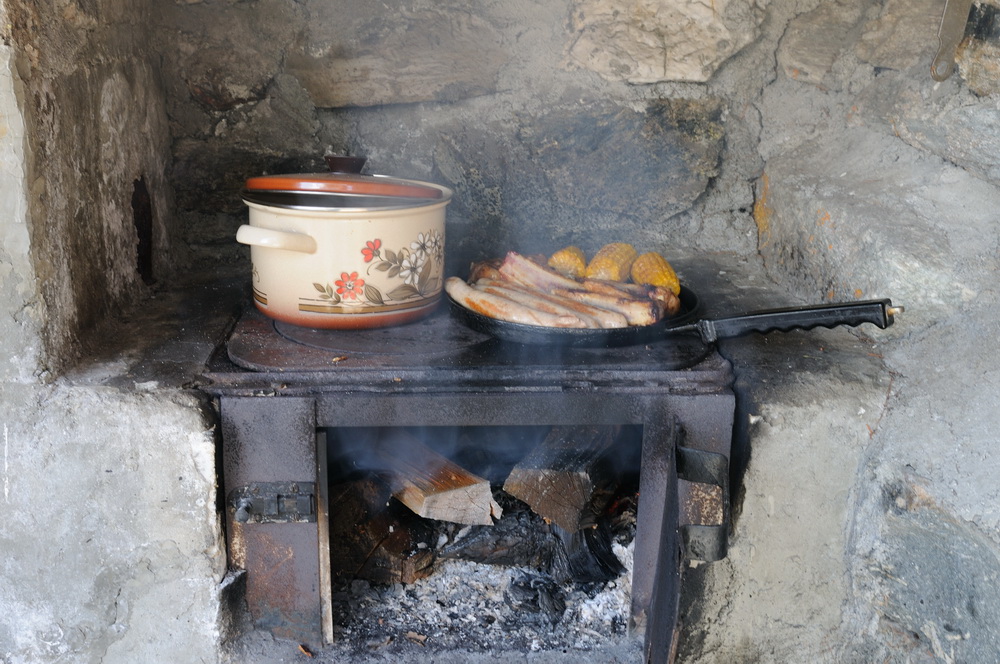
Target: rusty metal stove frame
272, 423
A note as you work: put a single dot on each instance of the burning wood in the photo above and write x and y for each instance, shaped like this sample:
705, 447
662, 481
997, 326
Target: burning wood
559, 477
433, 486
520, 538
589, 554
523, 539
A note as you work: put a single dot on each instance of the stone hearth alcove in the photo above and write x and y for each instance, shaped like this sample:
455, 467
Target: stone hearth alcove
799, 149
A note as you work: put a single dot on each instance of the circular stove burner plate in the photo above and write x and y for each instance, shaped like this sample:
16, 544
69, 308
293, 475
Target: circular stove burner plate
429, 336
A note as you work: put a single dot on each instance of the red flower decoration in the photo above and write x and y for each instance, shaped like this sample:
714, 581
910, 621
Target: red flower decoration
371, 249
349, 286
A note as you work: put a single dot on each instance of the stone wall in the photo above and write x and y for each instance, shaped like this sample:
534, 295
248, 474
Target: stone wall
876, 181
875, 156
20, 328
96, 125
111, 541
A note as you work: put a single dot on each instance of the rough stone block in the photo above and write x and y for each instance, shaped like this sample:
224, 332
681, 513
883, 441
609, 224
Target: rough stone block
937, 577
903, 35
20, 344
925, 531
979, 55
941, 429
944, 120
354, 56
814, 40
112, 545
222, 59
980, 67
650, 41
840, 225
781, 593
652, 163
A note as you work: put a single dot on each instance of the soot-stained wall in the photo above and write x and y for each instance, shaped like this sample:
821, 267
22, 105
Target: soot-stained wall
96, 124
544, 142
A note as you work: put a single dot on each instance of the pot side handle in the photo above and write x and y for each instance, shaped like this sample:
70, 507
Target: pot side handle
272, 239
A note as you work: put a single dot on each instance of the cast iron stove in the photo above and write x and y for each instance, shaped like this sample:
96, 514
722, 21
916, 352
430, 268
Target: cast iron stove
278, 388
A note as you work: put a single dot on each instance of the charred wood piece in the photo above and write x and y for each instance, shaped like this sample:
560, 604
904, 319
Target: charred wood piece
523, 539
589, 554
520, 538
536, 596
375, 539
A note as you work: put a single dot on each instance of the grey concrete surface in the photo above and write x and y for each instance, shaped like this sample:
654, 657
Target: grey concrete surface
113, 547
107, 553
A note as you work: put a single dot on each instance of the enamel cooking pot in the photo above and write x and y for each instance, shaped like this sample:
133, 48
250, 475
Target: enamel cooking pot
345, 250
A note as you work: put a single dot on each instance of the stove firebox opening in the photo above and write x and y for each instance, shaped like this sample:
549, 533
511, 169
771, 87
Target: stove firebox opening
516, 538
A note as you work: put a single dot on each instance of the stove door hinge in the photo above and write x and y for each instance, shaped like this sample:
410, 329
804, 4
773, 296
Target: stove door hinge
703, 485
274, 502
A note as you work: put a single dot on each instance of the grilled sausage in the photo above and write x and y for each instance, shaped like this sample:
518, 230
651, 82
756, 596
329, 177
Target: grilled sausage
636, 311
669, 303
502, 308
525, 271
536, 300
594, 316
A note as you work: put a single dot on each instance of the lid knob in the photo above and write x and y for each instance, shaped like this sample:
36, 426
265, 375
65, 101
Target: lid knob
338, 163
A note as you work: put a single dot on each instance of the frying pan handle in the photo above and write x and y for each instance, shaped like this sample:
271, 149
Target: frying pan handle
877, 312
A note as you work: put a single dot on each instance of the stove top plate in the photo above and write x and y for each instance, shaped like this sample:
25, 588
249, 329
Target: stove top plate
436, 345
429, 336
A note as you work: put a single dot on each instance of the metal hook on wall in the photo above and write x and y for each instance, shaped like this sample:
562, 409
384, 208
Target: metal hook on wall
950, 34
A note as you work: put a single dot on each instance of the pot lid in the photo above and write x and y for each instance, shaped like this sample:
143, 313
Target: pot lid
344, 183
305, 200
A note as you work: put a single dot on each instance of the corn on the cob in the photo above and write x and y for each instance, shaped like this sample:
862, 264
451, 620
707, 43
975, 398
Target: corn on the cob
612, 262
569, 262
653, 269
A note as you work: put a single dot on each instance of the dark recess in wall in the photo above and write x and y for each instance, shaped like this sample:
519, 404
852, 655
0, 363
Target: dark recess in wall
142, 217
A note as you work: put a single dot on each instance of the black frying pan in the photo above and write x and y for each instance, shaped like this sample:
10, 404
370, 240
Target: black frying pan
877, 312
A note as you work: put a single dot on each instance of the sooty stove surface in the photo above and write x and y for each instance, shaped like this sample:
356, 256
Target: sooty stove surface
279, 387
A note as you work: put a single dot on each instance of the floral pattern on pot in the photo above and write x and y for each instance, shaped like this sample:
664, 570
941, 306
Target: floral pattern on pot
415, 267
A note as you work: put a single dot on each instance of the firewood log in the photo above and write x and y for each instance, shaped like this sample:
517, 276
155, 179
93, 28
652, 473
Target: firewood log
559, 477
431, 485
